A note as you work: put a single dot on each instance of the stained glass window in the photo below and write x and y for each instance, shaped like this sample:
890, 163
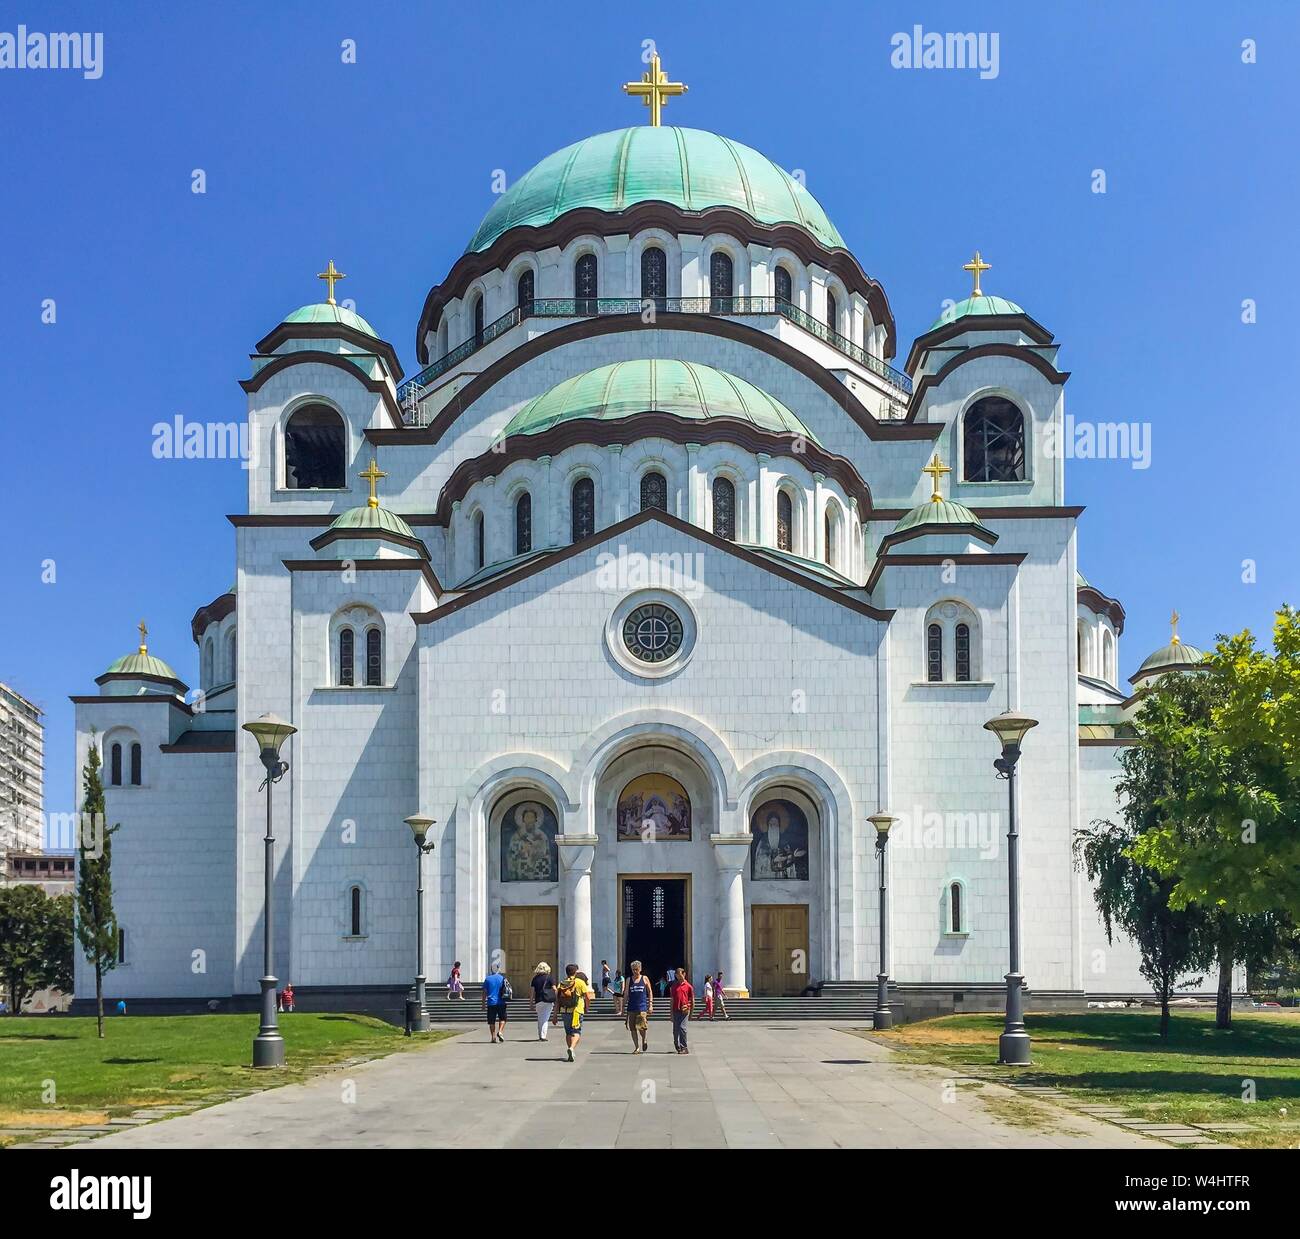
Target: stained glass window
721, 282
654, 491
963, 652
585, 284
724, 509
934, 653
346, 672
784, 522
523, 524
374, 658
784, 289
525, 298
582, 509
654, 274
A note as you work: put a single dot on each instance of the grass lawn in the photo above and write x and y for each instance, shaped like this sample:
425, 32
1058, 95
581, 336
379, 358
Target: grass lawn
158, 1060
1199, 1076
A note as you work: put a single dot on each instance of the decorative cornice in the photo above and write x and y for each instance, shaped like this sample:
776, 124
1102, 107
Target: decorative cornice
144, 699
110, 676
1018, 351
921, 531
976, 322
704, 324
422, 566
282, 361
939, 561
1047, 512
332, 331
586, 221
513, 577
1111, 608
331, 536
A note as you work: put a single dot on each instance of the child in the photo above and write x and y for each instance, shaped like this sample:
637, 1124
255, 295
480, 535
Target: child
454, 984
708, 996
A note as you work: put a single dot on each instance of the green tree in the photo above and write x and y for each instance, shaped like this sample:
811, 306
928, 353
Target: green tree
35, 942
96, 920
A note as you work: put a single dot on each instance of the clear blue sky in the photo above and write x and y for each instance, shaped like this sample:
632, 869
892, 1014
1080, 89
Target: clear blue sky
386, 166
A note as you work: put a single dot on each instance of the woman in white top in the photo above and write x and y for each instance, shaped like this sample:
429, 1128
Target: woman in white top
541, 991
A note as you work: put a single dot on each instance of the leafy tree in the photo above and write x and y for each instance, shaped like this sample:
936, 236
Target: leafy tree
35, 942
96, 920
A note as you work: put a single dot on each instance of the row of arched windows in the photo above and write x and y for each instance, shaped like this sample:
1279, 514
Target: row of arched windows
115, 772
373, 668
209, 668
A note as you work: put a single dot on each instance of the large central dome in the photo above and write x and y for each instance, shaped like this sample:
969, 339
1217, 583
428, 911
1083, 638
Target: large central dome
688, 168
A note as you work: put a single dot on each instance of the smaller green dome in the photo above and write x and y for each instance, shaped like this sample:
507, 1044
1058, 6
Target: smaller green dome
942, 512
373, 520
981, 305
1176, 656
142, 664
323, 312
1080, 581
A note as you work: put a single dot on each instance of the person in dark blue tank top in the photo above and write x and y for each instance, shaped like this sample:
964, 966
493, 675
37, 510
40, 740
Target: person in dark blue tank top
639, 1008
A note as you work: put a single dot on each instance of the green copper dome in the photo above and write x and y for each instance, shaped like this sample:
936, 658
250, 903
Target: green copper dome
1080, 581
1176, 656
688, 168
981, 305
945, 512
373, 520
323, 312
142, 664
681, 388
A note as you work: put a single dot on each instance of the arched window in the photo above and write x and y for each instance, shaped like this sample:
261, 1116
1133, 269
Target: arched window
993, 440
347, 663
315, 445
582, 509
956, 913
232, 649
374, 658
721, 282
207, 663
478, 321
784, 521
828, 532
354, 912
963, 652
137, 755
724, 509
832, 312
585, 288
523, 524
1081, 647
121, 945
654, 275
784, 286
654, 491
480, 543
115, 766
934, 653
1108, 656
524, 299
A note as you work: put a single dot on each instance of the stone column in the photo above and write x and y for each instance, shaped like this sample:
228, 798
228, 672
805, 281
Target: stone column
760, 504
819, 523
694, 513
732, 854
543, 515
577, 852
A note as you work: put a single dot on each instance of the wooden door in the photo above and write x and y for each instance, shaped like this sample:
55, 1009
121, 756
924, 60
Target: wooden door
529, 936
780, 939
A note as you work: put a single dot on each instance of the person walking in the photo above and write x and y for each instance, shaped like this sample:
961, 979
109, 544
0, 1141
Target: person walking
683, 1004
288, 996
708, 995
455, 986
571, 998
640, 1007
542, 992
718, 996
494, 1003
619, 985
606, 980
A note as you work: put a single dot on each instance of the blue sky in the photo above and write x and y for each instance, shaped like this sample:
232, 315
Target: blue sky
385, 165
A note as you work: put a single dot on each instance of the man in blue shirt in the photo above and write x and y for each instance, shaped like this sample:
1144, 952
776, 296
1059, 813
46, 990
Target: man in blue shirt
494, 1003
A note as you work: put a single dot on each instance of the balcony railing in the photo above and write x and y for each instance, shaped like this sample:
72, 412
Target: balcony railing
410, 392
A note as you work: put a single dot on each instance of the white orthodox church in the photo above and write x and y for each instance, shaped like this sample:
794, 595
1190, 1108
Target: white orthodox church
660, 578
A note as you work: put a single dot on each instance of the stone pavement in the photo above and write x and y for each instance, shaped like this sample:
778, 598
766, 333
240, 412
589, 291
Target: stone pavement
744, 1085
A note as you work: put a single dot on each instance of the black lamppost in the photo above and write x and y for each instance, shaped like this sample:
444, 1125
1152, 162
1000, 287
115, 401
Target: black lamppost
884, 1017
1011, 727
270, 733
418, 1020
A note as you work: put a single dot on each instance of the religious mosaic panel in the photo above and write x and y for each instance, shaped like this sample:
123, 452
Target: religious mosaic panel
654, 808
779, 851
529, 852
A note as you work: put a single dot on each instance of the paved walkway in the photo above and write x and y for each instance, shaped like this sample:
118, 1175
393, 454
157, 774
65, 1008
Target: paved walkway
744, 1085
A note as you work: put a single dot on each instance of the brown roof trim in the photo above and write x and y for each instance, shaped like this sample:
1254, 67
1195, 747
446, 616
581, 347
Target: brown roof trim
308, 520
920, 531
507, 579
595, 430
221, 742
213, 613
422, 566
705, 324
1106, 742
1001, 514
1018, 351
1111, 608
335, 535
1001, 559
147, 699
585, 221
333, 331
971, 322
282, 361
109, 676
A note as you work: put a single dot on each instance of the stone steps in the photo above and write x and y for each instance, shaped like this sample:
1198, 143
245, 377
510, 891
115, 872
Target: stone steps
850, 1008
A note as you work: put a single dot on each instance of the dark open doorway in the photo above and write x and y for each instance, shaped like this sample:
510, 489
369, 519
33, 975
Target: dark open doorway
654, 924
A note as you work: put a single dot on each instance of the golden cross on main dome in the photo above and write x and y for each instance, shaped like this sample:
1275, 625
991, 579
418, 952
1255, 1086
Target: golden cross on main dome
654, 88
936, 469
976, 267
144, 632
372, 475
331, 275
1173, 623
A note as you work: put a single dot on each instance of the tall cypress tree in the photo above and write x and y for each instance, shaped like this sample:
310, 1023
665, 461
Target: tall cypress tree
96, 920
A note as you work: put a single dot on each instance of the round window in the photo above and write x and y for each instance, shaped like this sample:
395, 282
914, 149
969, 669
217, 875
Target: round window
653, 633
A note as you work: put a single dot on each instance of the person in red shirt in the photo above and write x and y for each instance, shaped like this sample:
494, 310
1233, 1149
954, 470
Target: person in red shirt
683, 1005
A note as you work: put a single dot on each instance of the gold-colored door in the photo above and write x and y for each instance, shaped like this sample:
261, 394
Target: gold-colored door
529, 936
780, 938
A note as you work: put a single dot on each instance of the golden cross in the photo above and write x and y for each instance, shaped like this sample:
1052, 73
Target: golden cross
144, 632
330, 275
654, 88
976, 266
936, 469
372, 475
1173, 623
